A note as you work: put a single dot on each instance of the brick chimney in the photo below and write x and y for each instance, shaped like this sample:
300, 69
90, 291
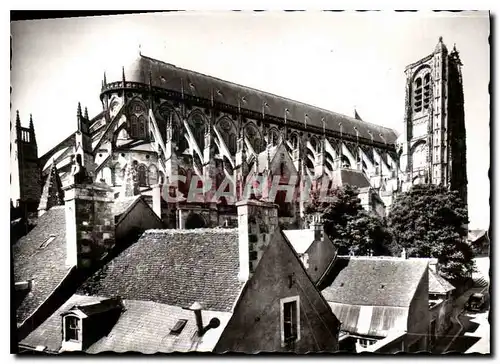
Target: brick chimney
90, 226
257, 220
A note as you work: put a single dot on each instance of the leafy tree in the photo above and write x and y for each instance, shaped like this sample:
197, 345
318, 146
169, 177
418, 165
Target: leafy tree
347, 224
430, 221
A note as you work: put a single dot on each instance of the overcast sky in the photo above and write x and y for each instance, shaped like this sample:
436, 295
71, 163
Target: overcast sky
337, 61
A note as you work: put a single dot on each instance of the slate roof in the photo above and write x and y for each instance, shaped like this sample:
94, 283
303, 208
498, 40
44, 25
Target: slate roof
371, 281
46, 266
300, 239
121, 205
176, 267
167, 76
438, 284
355, 178
142, 327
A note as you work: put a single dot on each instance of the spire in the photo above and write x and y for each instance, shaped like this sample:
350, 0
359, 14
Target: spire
440, 47
18, 119
79, 116
86, 114
104, 79
123, 75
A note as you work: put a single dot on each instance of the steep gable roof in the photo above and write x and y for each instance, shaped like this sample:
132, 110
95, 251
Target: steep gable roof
176, 267
375, 281
41, 256
438, 284
167, 76
142, 327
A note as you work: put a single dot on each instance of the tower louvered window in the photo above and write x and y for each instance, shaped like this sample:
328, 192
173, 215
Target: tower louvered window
422, 93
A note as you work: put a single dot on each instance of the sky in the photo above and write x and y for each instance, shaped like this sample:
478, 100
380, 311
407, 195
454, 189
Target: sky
338, 61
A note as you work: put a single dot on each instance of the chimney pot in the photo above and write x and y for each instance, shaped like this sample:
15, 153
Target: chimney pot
196, 307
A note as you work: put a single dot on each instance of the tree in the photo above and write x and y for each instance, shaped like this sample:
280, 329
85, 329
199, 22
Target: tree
347, 224
430, 221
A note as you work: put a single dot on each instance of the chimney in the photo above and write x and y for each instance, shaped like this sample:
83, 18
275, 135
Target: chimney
90, 227
257, 220
317, 226
403, 254
196, 307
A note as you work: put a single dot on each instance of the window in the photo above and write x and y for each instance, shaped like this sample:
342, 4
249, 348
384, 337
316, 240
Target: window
290, 320
422, 93
366, 342
49, 240
72, 328
179, 326
142, 175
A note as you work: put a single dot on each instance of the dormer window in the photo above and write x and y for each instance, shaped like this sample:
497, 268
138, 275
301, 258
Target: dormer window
72, 328
290, 321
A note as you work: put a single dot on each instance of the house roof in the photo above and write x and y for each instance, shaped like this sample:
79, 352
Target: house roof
123, 204
374, 281
167, 76
46, 265
352, 177
438, 284
300, 239
142, 327
475, 235
176, 267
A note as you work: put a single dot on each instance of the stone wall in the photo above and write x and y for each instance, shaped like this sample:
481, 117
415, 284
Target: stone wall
90, 226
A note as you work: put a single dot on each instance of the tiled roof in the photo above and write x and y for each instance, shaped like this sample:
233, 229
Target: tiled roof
168, 76
122, 204
176, 267
300, 239
45, 265
355, 178
438, 284
374, 281
142, 327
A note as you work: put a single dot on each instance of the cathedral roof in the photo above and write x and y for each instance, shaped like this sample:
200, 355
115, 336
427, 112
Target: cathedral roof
168, 76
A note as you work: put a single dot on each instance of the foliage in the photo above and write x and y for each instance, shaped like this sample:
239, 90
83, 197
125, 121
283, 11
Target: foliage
430, 221
347, 224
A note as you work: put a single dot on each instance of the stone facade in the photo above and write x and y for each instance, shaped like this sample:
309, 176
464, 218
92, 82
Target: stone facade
175, 133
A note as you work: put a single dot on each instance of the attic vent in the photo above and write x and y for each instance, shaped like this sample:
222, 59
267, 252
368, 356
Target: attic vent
47, 242
341, 284
177, 329
382, 285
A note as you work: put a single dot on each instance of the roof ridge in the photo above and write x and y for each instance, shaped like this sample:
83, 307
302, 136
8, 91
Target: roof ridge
187, 231
271, 94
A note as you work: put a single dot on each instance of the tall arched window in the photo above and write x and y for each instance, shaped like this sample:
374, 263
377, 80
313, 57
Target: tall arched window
273, 137
142, 175
314, 144
153, 175
137, 120
228, 133
254, 138
198, 129
422, 92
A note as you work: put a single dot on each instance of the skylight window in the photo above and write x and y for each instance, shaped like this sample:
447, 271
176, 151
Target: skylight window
49, 240
179, 326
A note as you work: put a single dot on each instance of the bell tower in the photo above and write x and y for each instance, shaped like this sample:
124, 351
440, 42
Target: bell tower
433, 145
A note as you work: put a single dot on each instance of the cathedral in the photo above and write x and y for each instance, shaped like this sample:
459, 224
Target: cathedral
164, 131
